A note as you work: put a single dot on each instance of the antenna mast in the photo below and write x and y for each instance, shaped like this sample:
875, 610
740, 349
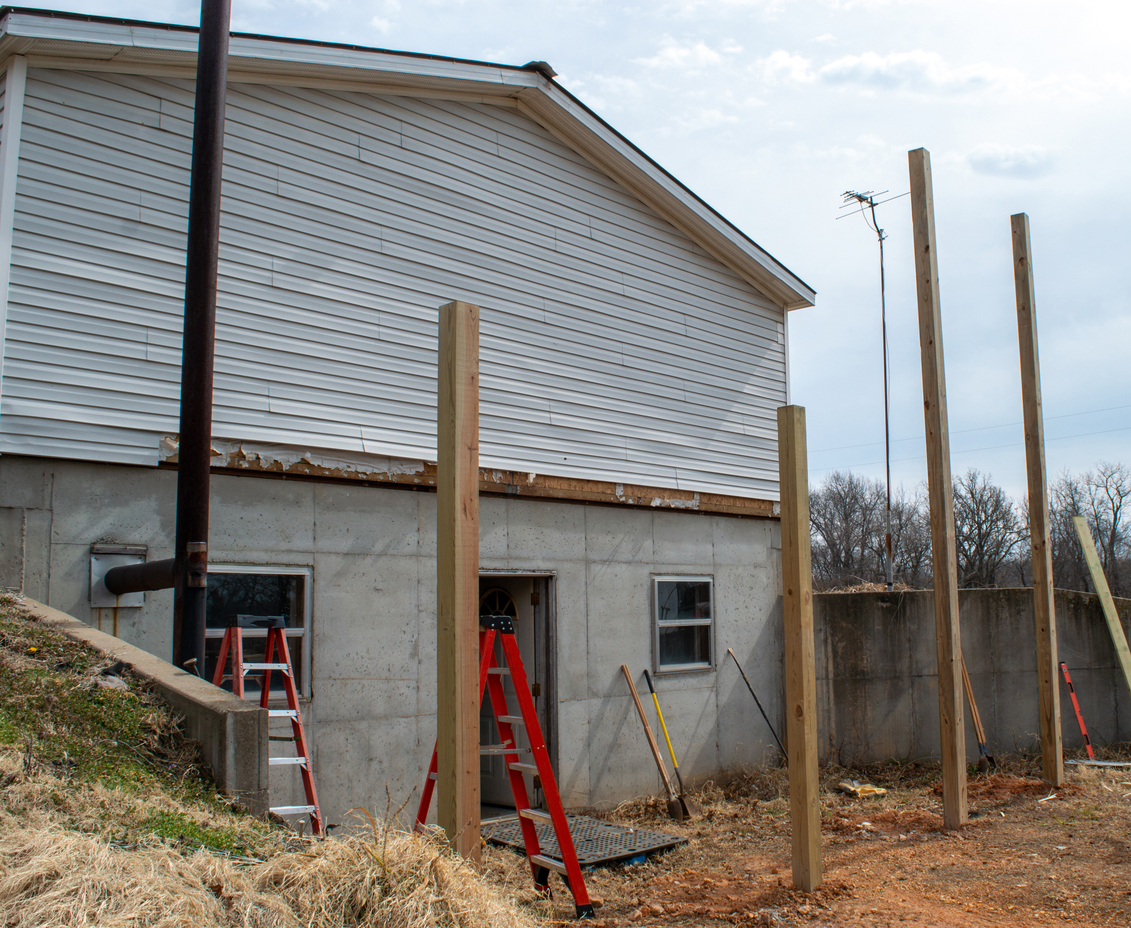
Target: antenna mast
867, 202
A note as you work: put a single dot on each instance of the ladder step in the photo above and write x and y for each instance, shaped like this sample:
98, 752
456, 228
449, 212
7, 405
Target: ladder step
281, 738
282, 761
433, 776
282, 713
513, 719
501, 671
548, 862
291, 810
536, 815
502, 749
247, 668
524, 768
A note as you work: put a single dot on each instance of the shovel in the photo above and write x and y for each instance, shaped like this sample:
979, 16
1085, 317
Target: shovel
675, 808
688, 808
985, 762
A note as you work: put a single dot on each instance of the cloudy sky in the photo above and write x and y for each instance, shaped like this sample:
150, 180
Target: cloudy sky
771, 109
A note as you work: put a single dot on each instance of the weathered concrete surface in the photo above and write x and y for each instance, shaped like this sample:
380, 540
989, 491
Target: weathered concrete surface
877, 687
372, 550
232, 732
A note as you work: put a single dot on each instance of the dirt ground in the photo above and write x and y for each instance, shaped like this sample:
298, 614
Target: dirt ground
1030, 856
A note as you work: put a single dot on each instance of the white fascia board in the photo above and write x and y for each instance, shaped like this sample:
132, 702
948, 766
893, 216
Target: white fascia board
15, 81
245, 50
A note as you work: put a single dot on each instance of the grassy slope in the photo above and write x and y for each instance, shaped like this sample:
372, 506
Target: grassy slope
107, 819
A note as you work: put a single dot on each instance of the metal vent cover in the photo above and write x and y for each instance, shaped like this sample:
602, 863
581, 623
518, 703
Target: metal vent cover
596, 842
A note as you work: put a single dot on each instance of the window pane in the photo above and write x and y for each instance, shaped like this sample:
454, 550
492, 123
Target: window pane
263, 595
256, 597
680, 600
687, 644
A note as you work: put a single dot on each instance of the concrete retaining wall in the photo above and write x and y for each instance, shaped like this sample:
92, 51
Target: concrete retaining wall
877, 689
232, 732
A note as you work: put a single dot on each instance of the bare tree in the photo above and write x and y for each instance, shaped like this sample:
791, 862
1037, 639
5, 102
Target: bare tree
846, 517
986, 529
1067, 496
1108, 498
911, 538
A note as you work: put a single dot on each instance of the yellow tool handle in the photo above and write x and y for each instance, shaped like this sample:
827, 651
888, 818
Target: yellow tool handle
660, 715
667, 737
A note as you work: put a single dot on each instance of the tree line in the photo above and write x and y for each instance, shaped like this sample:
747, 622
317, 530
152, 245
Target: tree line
847, 525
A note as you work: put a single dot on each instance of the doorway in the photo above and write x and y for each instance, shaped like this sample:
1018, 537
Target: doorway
526, 599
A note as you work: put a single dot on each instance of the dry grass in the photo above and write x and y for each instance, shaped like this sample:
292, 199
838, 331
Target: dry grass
51, 878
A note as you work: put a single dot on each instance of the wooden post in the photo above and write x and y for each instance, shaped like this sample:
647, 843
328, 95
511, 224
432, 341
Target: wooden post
1099, 581
1044, 609
948, 640
457, 578
800, 662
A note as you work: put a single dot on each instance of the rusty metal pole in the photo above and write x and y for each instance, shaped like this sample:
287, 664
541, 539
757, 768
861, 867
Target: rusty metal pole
198, 349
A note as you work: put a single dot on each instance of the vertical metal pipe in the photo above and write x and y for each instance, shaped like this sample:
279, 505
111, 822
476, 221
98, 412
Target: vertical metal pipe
198, 348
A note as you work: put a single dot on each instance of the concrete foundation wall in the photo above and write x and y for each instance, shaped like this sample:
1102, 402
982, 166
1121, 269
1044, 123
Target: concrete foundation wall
371, 717
877, 687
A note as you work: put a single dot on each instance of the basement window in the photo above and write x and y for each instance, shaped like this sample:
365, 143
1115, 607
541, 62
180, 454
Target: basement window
684, 623
255, 593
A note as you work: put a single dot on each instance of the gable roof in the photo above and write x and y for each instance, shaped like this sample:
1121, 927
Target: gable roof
102, 43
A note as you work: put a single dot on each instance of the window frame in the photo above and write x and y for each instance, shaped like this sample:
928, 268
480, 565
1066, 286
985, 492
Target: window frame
306, 632
700, 666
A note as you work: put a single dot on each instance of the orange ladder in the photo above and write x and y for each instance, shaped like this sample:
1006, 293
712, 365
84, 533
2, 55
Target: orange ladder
490, 679
276, 641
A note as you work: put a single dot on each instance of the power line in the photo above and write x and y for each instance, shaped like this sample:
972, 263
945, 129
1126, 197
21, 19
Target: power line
1013, 444
984, 428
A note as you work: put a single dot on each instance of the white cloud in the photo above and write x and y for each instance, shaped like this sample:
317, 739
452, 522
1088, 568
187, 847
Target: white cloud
708, 119
915, 71
1023, 161
381, 25
699, 7
781, 66
684, 57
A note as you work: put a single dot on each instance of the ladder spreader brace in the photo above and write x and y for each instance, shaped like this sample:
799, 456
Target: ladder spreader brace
490, 679
276, 641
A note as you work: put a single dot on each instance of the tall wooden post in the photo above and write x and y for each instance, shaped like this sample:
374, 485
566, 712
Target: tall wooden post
457, 578
1099, 581
800, 662
948, 640
1044, 609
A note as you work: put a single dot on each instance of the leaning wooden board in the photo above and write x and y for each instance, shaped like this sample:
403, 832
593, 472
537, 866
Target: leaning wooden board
1100, 583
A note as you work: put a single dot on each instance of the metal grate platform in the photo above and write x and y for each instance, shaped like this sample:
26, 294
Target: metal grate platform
596, 842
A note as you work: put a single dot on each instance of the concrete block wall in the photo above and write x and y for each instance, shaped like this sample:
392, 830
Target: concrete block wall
372, 550
877, 687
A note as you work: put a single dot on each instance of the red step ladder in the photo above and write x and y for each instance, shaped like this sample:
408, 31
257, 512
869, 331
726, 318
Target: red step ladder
276, 641
490, 674
1076, 706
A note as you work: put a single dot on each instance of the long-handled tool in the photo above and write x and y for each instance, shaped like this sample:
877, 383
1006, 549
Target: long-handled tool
688, 807
759, 702
675, 808
985, 762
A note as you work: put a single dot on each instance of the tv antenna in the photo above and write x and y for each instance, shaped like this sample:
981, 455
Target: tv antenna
867, 203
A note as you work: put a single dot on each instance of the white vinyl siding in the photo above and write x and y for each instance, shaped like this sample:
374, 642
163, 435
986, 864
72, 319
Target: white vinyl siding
612, 347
